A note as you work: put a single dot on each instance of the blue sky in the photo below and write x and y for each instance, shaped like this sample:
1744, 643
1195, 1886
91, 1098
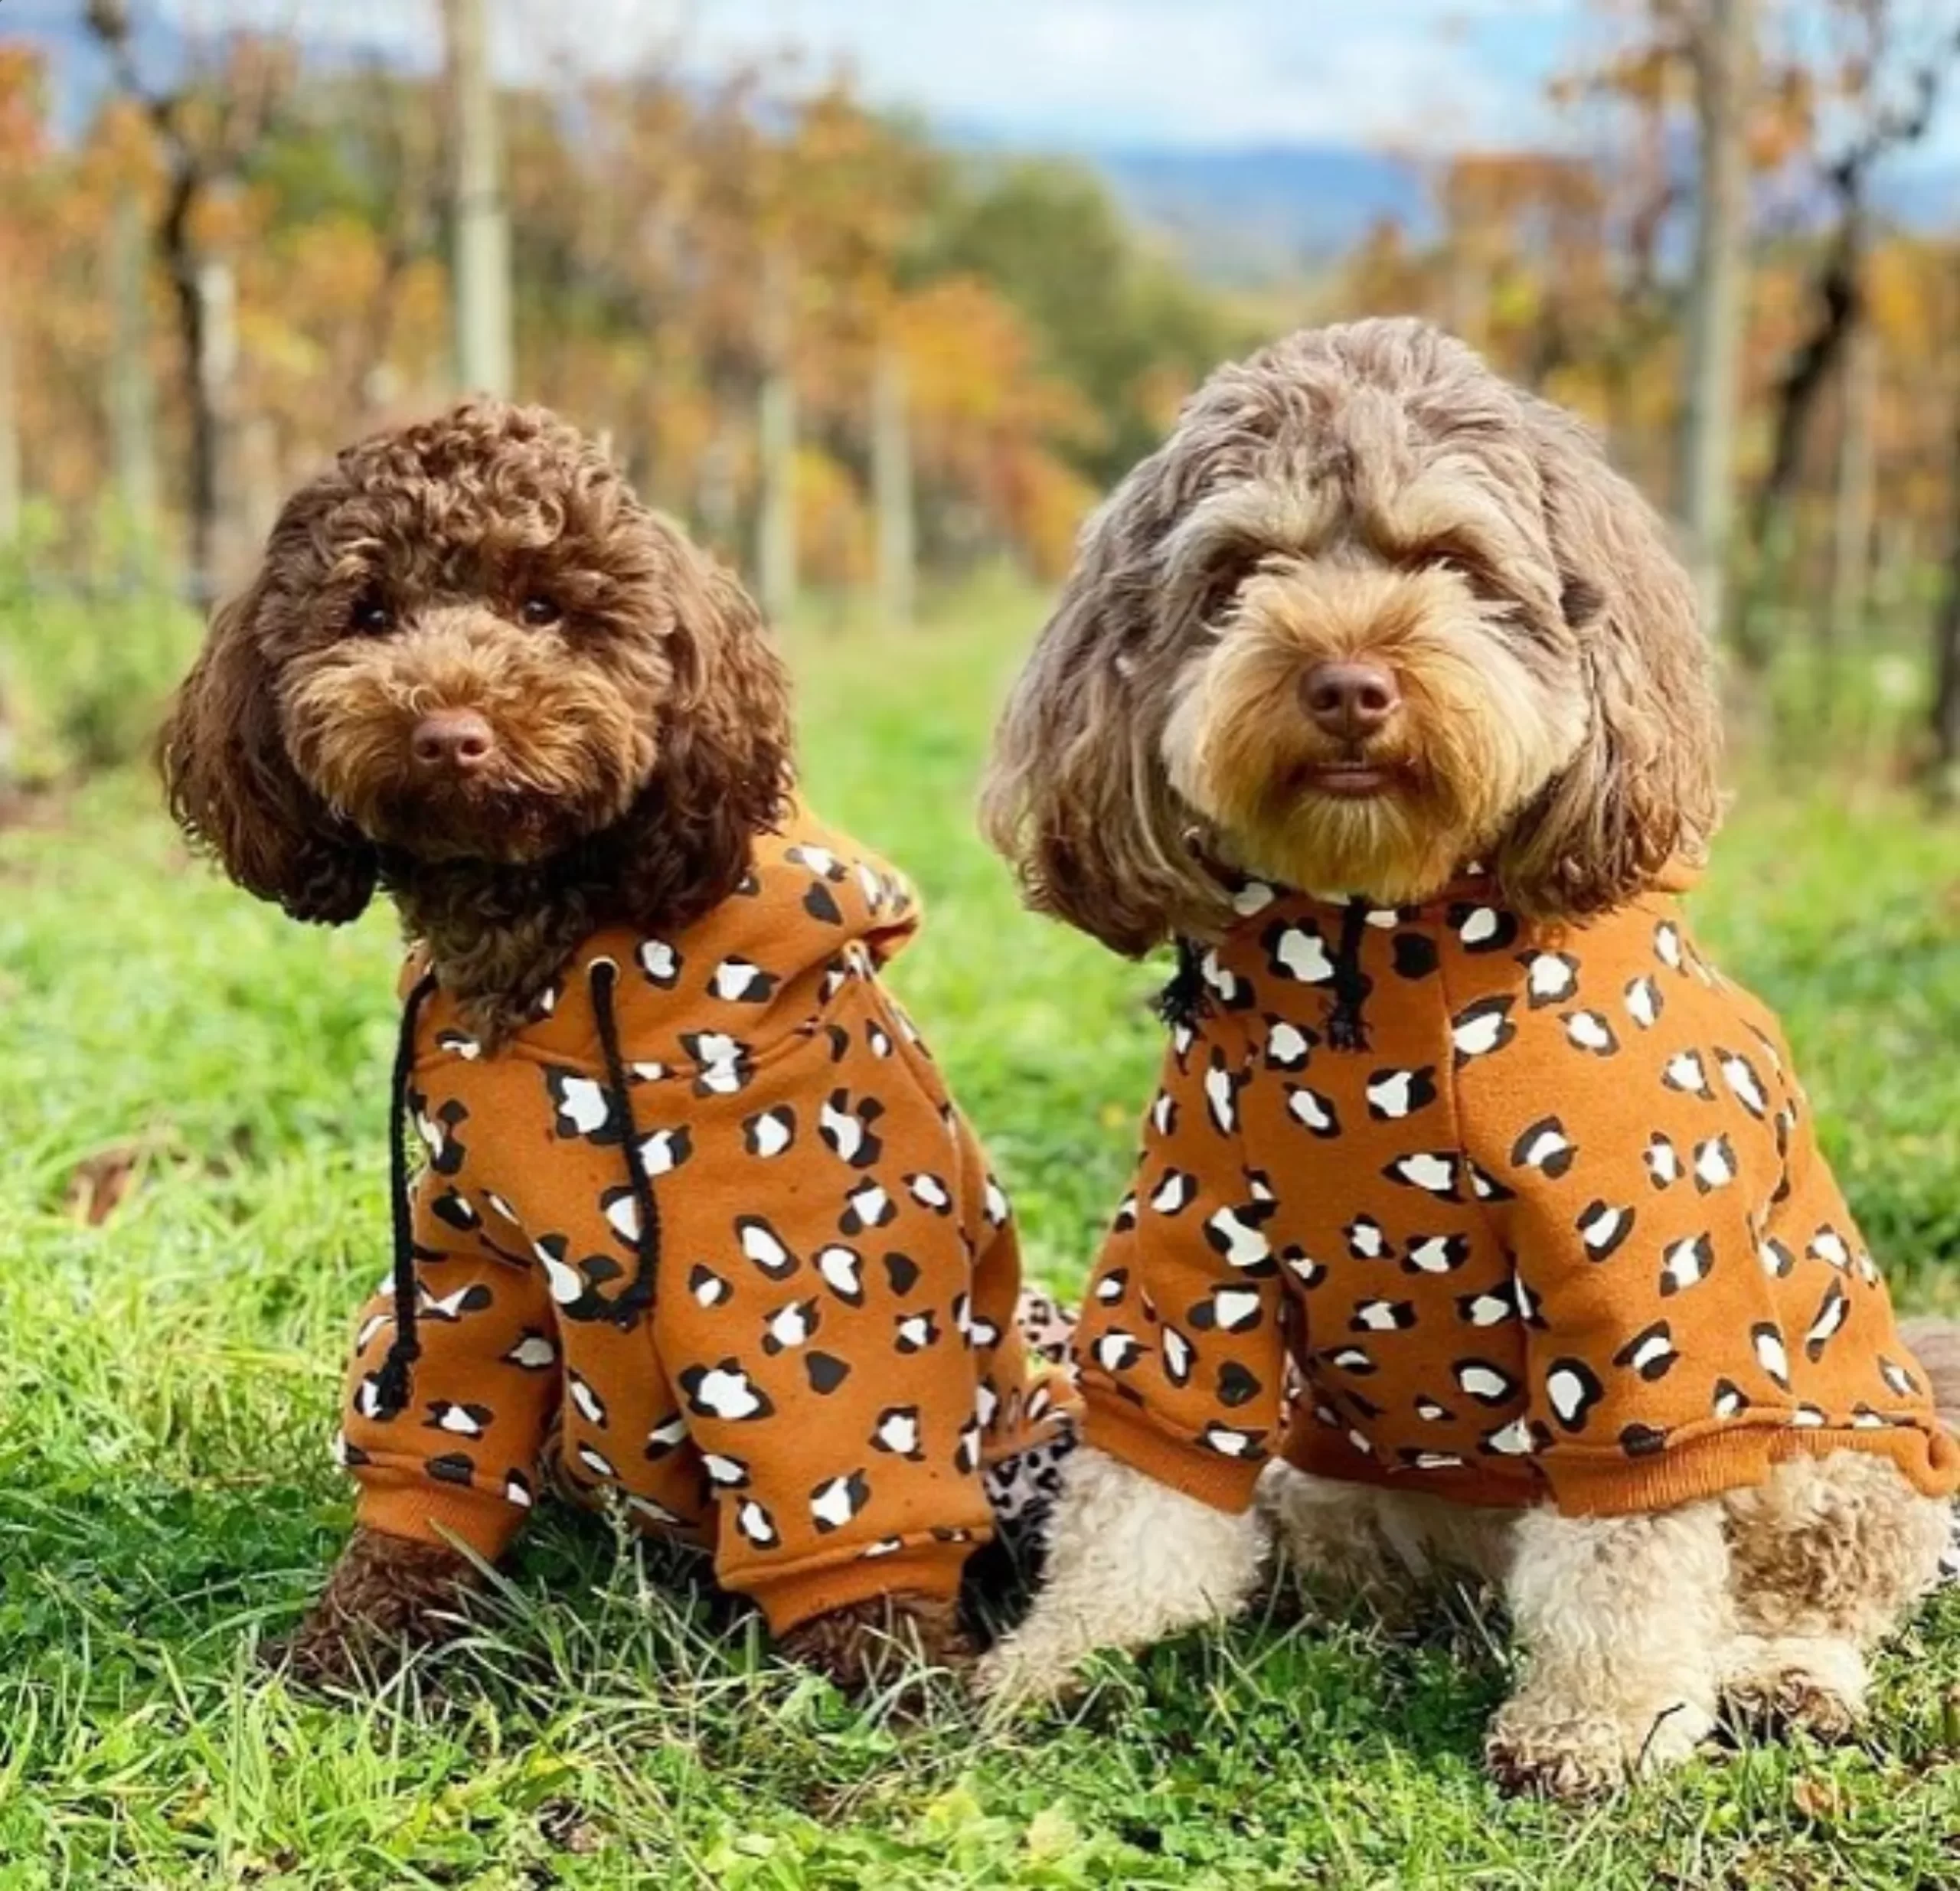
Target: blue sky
1414, 74
1051, 72
1206, 72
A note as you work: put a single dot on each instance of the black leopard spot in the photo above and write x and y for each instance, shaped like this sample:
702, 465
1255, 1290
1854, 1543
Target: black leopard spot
1236, 1386
826, 1372
1414, 955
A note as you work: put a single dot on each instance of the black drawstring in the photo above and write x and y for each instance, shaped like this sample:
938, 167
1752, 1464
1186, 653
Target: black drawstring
1183, 997
638, 1294
1346, 1029
391, 1382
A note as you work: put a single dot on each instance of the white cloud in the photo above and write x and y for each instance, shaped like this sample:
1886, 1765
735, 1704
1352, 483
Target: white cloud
1221, 72
1418, 73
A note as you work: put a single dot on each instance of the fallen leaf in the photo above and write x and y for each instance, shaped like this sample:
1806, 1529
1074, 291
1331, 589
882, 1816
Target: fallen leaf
563, 1824
99, 1184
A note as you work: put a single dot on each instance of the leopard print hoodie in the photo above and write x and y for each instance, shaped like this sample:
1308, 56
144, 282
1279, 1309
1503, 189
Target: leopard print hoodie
1536, 1215
708, 1238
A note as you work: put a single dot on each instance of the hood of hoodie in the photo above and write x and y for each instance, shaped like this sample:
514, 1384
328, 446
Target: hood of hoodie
1335, 945
759, 967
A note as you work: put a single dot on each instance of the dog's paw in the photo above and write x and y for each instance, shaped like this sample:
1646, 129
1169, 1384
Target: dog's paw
1017, 1675
322, 1656
867, 1646
1555, 1752
387, 1596
1814, 1683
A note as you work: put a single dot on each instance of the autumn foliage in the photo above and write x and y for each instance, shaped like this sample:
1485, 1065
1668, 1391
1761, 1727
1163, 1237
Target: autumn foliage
675, 244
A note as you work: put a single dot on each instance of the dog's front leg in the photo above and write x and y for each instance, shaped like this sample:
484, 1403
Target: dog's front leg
1622, 1621
1129, 1562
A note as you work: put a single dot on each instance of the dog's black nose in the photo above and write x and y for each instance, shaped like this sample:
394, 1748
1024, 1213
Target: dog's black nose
453, 738
1350, 699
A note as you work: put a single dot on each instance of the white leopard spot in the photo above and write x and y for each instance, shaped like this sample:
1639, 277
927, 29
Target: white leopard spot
1588, 1031
1286, 1046
1242, 1245
1437, 1173
1828, 1246
1303, 956
1643, 1002
1479, 1035
584, 1105
1550, 977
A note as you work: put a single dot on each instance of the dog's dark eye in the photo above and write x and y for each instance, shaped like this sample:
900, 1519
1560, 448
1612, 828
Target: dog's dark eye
370, 614
1224, 584
540, 611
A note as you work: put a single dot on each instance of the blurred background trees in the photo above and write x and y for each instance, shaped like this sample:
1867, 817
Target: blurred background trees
868, 364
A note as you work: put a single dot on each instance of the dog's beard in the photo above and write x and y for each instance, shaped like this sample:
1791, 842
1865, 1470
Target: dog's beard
571, 754
1481, 730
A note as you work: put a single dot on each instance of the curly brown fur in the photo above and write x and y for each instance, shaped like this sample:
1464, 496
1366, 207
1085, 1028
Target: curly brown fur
865, 1645
490, 561
387, 1596
1371, 492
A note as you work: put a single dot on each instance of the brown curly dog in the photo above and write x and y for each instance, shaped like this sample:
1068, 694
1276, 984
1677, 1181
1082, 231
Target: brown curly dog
627, 784
477, 673
1378, 692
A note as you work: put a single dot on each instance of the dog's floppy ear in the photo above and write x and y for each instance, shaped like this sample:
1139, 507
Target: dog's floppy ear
234, 790
724, 771
1076, 797
1643, 789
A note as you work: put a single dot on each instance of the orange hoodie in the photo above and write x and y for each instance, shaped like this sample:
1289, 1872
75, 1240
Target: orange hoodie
787, 1330
1538, 1214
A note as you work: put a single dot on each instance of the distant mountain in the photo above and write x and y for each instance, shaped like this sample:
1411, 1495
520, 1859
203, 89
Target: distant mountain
1252, 213
1263, 210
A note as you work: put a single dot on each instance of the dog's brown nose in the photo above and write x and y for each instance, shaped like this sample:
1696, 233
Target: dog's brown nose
1350, 699
452, 738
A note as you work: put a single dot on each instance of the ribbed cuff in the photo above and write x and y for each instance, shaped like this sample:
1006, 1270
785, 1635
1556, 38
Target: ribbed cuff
801, 1595
1115, 1426
398, 1504
1730, 1460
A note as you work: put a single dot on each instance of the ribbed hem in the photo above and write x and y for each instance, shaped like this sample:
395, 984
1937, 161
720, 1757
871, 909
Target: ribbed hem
1610, 1483
1319, 1452
1222, 1484
927, 1569
1728, 1460
398, 1504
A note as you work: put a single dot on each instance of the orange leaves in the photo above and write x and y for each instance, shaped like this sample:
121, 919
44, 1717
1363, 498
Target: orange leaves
22, 105
678, 235
988, 420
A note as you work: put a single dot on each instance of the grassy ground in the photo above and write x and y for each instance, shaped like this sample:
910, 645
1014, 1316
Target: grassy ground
168, 1380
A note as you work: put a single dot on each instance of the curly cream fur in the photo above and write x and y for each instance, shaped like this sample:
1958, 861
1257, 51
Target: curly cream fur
1128, 1562
1632, 1631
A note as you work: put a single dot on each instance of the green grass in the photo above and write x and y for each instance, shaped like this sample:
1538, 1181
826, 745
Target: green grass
167, 1383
